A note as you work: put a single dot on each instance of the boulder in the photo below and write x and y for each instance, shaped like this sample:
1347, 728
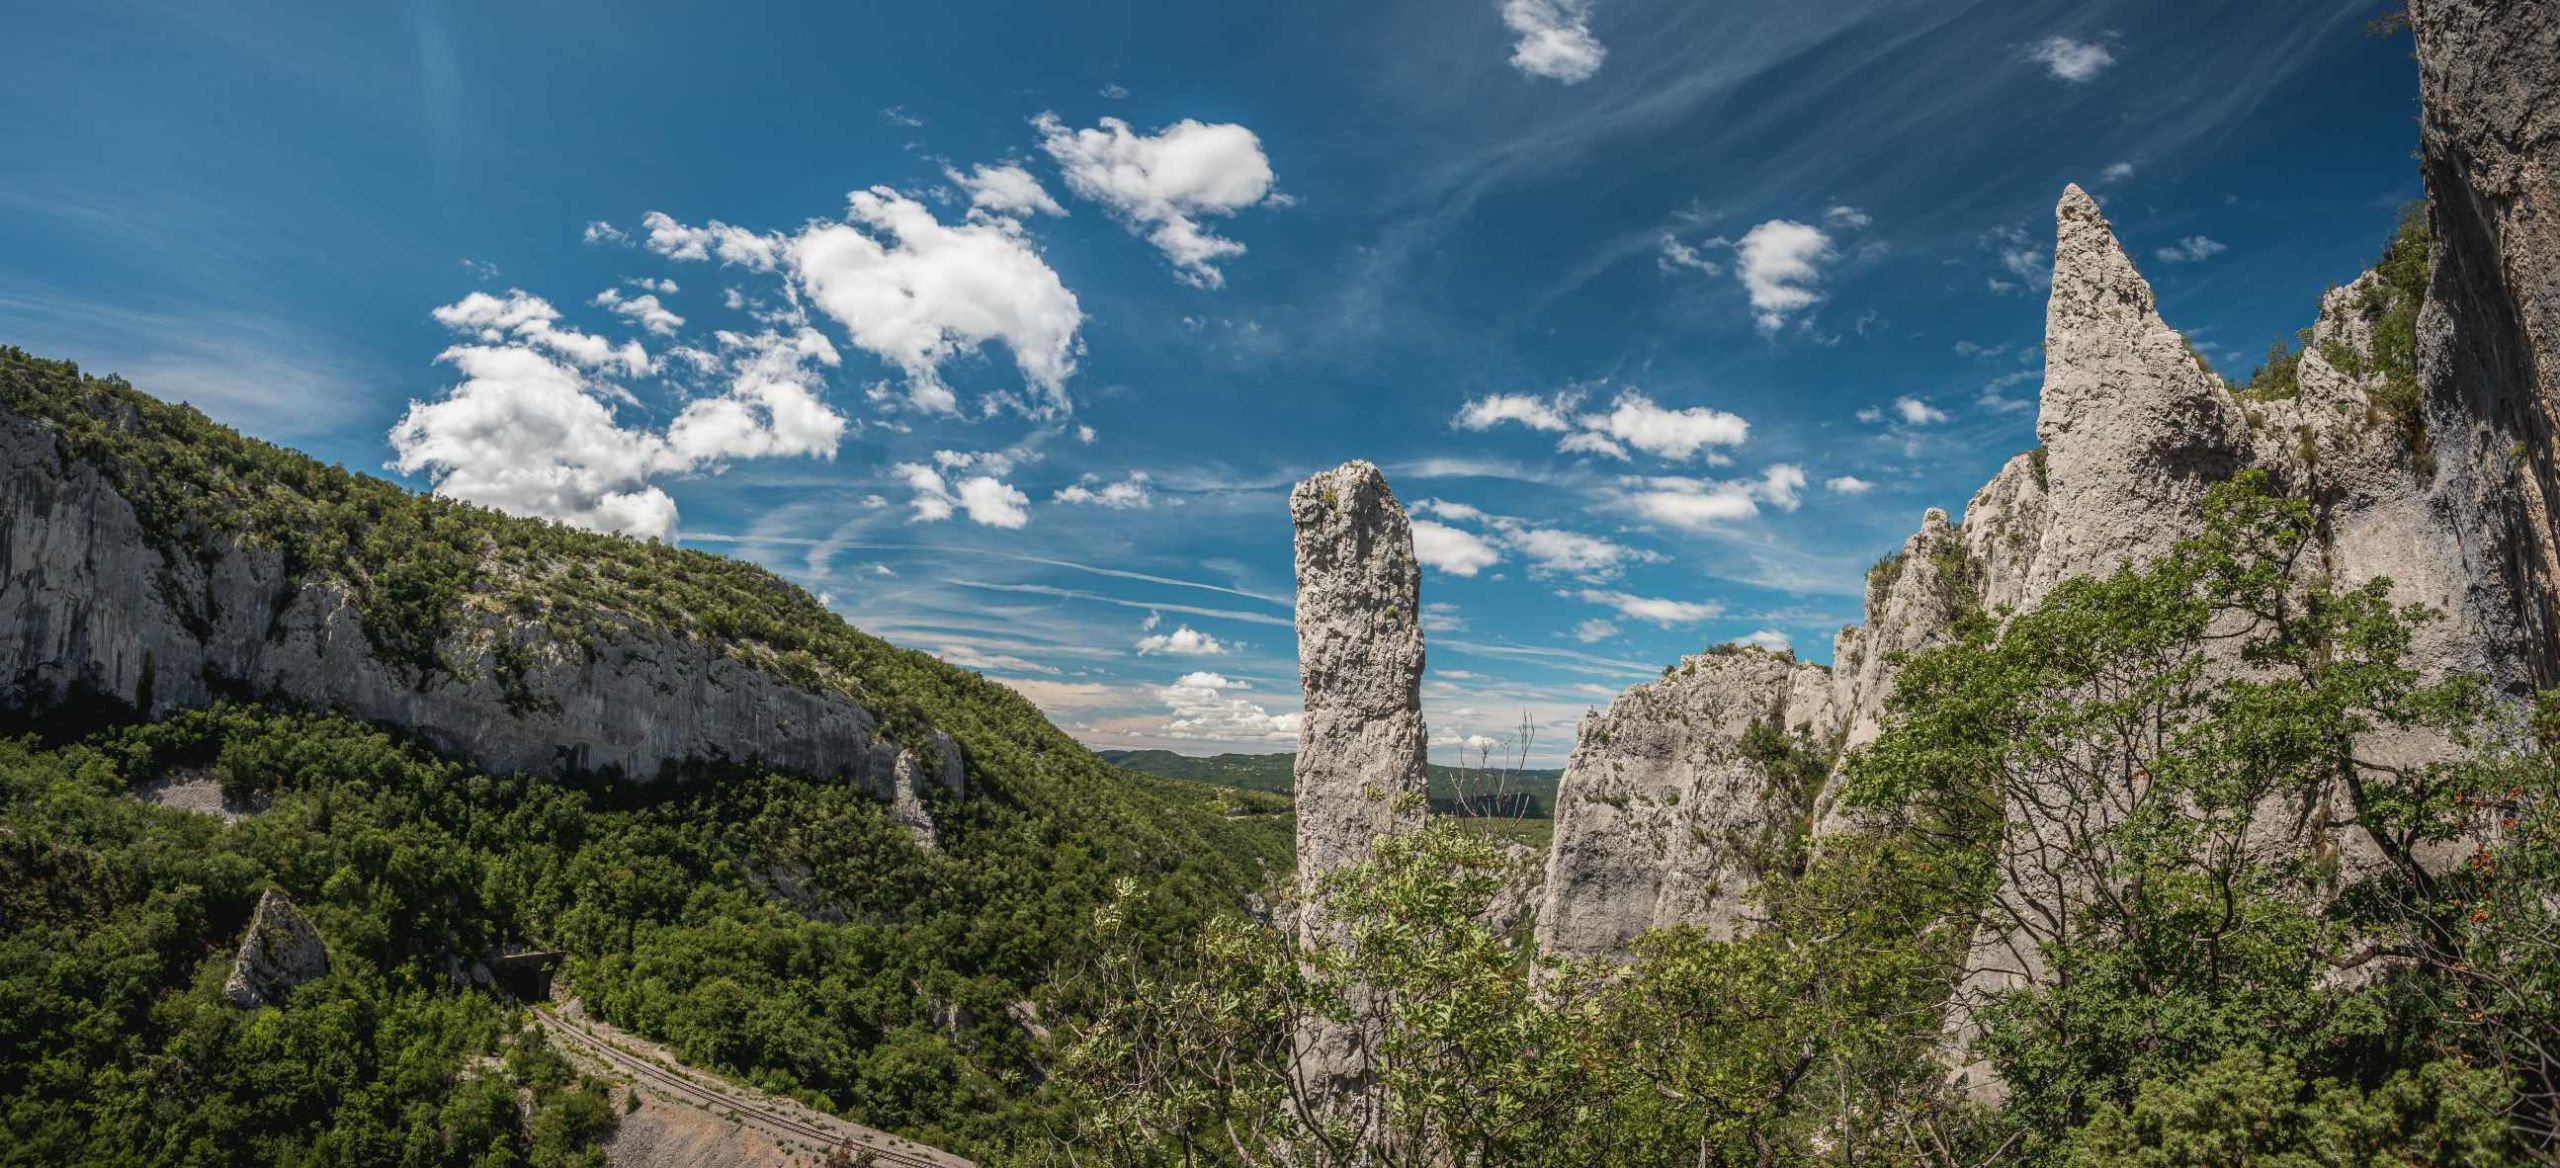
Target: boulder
279, 951
1662, 814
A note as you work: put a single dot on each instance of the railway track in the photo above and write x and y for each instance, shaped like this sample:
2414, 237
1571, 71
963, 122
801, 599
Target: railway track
886, 1150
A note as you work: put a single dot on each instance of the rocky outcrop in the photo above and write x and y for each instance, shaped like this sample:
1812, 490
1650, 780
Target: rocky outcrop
1913, 598
908, 783
2134, 431
1359, 770
2488, 338
2134, 426
280, 951
1665, 815
91, 605
2442, 479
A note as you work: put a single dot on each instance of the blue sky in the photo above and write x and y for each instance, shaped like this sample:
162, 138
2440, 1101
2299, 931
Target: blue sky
1005, 327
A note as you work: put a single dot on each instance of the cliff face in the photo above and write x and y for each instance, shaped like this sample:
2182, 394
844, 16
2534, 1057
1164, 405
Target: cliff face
2488, 339
91, 603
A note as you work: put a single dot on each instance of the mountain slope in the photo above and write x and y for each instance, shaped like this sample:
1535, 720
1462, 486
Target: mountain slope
761, 903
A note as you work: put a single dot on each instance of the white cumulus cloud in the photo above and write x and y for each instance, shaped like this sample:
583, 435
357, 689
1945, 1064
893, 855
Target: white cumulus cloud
1780, 263
2192, 249
644, 309
533, 429
1164, 183
1769, 639
521, 318
1128, 494
1202, 708
1783, 486
1631, 421
1453, 550
1549, 550
1848, 485
1693, 504
1634, 420
988, 500
1915, 412
2072, 60
917, 292
1183, 641
1553, 39
1005, 189
1536, 413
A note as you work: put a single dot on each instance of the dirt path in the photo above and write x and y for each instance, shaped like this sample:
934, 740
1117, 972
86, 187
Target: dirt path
692, 1118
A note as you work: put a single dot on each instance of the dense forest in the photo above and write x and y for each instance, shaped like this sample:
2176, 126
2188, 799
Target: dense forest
782, 930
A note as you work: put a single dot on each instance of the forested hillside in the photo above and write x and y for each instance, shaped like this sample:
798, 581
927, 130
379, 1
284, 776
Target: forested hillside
776, 926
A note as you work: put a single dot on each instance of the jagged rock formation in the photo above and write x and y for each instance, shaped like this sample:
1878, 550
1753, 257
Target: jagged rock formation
1663, 811
280, 951
2133, 425
2135, 430
2442, 479
1912, 597
1359, 771
91, 603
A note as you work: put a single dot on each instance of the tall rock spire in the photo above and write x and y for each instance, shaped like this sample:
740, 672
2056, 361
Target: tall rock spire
1360, 745
2134, 426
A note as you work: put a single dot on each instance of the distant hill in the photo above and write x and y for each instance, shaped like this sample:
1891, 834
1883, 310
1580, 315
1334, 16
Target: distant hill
1488, 792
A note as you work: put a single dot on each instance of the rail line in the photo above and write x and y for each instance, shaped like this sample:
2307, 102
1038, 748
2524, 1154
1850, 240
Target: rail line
878, 1143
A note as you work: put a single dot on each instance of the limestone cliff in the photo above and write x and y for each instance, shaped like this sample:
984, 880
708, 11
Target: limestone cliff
96, 602
2488, 338
1913, 596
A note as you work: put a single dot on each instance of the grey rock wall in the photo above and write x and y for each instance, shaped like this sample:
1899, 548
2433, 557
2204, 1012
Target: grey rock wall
88, 603
2489, 337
